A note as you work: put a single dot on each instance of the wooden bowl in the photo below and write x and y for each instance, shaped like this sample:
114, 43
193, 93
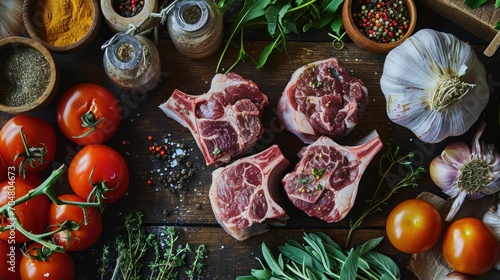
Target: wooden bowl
32, 21
118, 23
51, 89
364, 42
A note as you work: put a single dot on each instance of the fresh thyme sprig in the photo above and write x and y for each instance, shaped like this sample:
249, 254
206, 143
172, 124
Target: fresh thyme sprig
281, 18
322, 258
133, 248
394, 159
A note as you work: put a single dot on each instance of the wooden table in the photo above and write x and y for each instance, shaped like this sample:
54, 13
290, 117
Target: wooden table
189, 209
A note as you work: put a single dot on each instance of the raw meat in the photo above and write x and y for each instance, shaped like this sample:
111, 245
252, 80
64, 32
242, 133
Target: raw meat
321, 98
226, 121
325, 181
245, 194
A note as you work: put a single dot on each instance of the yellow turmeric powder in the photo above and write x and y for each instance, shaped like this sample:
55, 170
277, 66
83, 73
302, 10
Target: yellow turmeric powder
63, 22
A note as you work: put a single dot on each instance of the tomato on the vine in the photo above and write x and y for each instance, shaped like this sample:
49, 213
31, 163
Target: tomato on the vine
88, 221
469, 246
25, 131
38, 263
414, 226
98, 172
10, 258
31, 215
88, 114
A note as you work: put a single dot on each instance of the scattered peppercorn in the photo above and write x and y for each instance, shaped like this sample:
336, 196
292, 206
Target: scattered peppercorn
150, 138
177, 168
383, 21
128, 8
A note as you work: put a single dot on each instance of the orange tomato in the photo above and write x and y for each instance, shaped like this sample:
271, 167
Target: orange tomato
414, 226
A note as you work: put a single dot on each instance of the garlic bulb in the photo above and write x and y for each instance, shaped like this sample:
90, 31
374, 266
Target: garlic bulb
434, 85
463, 172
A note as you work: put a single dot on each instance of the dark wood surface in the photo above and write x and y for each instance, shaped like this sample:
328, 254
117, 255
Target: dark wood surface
189, 209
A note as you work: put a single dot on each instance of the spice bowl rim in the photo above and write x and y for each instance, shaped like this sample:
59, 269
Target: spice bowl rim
29, 10
47, 96
118, 23
364, 42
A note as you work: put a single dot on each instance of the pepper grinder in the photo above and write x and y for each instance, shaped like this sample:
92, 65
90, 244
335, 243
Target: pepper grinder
132, 62
195, 27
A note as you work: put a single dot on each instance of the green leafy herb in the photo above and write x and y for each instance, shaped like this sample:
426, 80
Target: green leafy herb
321, 258
304, 181
319, 187
280, 19
317, 173
132, 248
216, 152
394, 159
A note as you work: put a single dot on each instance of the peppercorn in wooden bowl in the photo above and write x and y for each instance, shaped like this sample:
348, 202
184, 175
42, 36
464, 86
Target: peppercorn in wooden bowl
119, 15
381, 25
28, 75
62, 26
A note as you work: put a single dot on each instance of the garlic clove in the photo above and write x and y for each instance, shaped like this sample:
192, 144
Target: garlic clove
444, 176
456, 154
457, 203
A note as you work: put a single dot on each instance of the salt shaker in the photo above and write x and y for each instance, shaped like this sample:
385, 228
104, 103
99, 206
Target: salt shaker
132, 62
195, 27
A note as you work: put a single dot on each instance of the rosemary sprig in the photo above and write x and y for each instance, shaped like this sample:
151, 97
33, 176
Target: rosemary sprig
321, 258
133, 248
394, 159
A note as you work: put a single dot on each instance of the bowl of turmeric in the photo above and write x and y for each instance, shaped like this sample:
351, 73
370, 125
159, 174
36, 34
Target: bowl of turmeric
62, 26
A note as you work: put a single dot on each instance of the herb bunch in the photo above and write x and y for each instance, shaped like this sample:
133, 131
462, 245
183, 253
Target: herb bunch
322, 258
391, 159
280, 19
132, 249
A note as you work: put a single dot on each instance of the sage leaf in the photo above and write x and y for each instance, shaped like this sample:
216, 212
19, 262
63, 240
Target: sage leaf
301, 256
382, 264
369, 245
497, 4
331, 6
260, 274
271, 262
350, 267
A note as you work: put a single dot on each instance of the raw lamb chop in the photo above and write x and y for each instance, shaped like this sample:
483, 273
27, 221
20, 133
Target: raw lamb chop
321, 98
325, 181
226, 121
245, 194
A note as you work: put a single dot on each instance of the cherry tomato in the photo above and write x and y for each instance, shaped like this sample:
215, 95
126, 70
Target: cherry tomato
10, 258
37, 264
96, 168
89, 226
31, 215
40, 140
414, 226
88, 114
469, 246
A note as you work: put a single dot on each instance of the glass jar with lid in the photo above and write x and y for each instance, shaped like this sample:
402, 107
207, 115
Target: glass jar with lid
132, 62
196, 27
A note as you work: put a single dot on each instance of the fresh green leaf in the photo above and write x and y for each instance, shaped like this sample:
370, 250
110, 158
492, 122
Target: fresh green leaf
266, 52
319, 23
301, 256
497, 26
383, 264
350, 267
473, 4
369, 245
497, 4
331, 7
270, 260
261, 273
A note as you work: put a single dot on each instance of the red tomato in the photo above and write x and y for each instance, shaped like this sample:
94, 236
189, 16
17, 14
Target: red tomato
55, 266
88, 114
40, 138
96, 167
10, 257
88, 231
32, 214
469, 246
414, 226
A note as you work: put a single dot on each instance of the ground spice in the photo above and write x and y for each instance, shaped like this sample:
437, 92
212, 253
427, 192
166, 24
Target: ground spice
24, 75
383, 21
64, 22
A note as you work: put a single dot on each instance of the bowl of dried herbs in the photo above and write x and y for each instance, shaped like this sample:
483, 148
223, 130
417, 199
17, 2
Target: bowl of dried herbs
28, 75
